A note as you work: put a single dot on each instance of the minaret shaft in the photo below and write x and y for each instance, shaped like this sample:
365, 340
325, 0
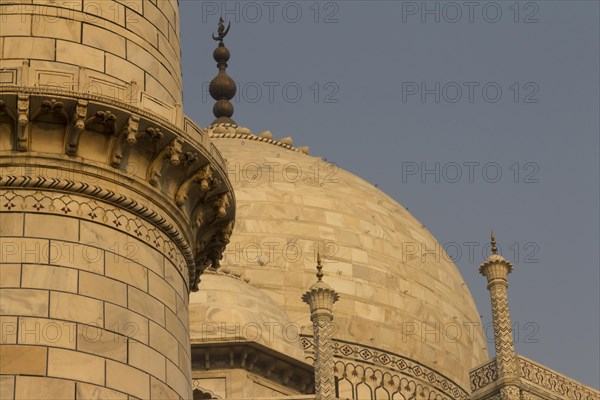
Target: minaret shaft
503, 338
324, 377
321, 297
496, 269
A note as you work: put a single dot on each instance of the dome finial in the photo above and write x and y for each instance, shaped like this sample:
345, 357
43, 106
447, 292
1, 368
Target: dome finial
222, 32
222, 88
493, 242
319, 266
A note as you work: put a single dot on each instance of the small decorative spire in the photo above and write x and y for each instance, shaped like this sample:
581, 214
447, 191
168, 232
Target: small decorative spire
222, 88
319, 267
494, 248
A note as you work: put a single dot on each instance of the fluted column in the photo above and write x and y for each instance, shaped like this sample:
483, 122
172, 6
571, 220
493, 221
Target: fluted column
320, 297
496, 269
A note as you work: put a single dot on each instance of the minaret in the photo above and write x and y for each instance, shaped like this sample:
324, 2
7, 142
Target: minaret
222, 88
320, 297
496, 269
111, 202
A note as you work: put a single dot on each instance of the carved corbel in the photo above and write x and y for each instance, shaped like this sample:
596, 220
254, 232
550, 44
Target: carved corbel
170, 155
51, 107
203, 177
286, 376
189, 158
252, 361
203, 214
106, 119
231, 359
243, 359
270, 370
198, 216
5, 110
74, 133
22, 141
128, 135
152, 134
219, 241
207, 360
221, 204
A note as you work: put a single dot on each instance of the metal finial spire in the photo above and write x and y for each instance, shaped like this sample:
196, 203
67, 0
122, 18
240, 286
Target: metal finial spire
494, 248
319, 267
222, 88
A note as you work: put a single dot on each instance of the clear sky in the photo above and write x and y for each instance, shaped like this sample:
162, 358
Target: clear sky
474, 115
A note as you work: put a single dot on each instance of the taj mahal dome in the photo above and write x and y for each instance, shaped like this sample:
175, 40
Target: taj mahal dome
146, 257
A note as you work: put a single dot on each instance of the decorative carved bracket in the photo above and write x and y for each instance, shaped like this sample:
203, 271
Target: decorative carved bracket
221, 204
106, 119
169, 155
128, 135
203, 177
52, 106
189, 158
210, 252
5, 110
22, 141
216, 208
77, 127
152, 134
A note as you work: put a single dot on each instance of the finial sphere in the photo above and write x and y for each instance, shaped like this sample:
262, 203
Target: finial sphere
221, 54
223, 108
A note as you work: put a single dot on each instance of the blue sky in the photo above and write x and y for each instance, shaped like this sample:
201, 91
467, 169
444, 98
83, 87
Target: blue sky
473, 116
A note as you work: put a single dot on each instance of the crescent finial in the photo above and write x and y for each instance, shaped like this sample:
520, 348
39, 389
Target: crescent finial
221, 31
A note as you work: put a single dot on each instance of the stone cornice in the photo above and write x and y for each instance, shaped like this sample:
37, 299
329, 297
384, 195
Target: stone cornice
185, 173
255, 358
255, 138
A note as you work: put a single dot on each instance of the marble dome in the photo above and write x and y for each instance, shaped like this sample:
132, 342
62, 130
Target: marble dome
399, 291
228, 309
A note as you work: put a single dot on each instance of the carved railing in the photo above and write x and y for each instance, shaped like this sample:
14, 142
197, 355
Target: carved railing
378, 368
554, 382
483, 376
535, 379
